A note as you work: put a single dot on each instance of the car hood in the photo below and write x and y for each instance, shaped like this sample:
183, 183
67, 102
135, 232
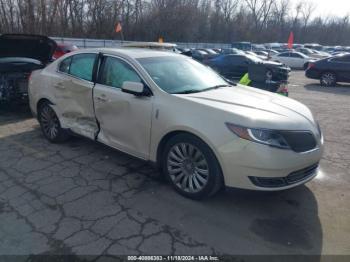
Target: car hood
256, 108
272, 63
30, 46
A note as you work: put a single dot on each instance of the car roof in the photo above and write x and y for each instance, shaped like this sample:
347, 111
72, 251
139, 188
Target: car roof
149, 45
134, 53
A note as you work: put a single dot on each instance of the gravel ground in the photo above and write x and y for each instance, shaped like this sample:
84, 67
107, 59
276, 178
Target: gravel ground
82, 198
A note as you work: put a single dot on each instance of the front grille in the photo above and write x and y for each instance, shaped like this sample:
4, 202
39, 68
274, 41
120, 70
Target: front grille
300, 141
282, 74
292, 178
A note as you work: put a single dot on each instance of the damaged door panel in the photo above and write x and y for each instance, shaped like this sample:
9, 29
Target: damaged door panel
125, 119
73, 91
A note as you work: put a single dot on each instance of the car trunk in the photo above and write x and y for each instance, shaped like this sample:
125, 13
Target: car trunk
19, 56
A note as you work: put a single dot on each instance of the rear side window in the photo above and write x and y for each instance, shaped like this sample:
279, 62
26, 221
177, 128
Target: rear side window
115, 72
284, 55
82, 66
295, 55
343, 59
65, 65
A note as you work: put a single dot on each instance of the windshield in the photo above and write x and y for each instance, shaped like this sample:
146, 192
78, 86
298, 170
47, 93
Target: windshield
254, 58
306, 51
211, 51
180, 74
303, 55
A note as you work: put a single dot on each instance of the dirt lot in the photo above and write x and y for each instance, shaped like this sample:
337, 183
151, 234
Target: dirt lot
83, 198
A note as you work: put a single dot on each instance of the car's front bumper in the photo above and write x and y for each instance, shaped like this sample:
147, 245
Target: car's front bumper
244, 163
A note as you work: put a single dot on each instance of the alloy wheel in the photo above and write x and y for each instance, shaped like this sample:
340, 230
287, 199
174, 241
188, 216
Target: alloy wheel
50, 122
328, 79
187, 167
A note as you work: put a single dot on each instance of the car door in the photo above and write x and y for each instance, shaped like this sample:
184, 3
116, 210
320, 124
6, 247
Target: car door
73, 86
284, 58
237, 66
297, 61
124, 119
223, 66
242, 65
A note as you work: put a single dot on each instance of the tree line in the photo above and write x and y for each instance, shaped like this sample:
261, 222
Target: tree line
222, 21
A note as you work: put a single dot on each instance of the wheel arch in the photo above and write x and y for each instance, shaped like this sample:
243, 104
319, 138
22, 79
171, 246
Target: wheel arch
171, 134
41, 102
329, 71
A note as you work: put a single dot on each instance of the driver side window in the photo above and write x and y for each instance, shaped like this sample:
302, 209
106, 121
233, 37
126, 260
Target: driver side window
115, 72
284, 55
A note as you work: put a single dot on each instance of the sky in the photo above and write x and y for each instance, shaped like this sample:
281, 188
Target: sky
330, 7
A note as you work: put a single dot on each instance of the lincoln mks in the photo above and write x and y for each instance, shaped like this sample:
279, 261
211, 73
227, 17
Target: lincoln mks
203, 132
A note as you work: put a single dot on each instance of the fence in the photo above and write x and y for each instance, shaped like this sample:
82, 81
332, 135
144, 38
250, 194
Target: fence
90, 43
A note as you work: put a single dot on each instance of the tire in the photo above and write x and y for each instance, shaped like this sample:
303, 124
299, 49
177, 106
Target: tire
50, 124
191, 167
328, 79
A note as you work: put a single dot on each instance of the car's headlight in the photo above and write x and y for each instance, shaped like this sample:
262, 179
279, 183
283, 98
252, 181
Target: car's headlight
263, 136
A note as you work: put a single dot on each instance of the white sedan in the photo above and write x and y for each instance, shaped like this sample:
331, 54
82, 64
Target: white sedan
293, 59
171, 110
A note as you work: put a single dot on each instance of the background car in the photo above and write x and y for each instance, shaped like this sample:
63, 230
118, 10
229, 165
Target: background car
272, 52
199, 55
330, 70
232, 51
313, 53
211, 53
262, 53
63, 49
263, 57
293, 59
236, 66
245, 46
20, 54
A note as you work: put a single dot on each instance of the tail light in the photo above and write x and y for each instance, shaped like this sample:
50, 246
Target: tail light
29, 77
311, 65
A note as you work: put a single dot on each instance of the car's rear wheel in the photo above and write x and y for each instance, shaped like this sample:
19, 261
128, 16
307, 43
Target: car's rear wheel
50, 124
191, 167
328, 79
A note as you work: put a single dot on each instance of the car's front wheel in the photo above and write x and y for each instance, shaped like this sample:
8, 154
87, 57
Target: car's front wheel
328, 79
50, 124
191, 167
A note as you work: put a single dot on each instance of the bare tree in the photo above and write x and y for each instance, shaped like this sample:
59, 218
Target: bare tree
175, 20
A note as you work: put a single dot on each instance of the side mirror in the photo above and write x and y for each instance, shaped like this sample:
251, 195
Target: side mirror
135, 88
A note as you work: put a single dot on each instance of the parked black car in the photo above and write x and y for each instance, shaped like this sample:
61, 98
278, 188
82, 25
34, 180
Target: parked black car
236, 66
199, 55
330, 70
19, 56
211, 53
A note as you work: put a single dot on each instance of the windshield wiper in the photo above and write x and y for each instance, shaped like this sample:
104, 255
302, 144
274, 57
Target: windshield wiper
191, 91
214, 87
